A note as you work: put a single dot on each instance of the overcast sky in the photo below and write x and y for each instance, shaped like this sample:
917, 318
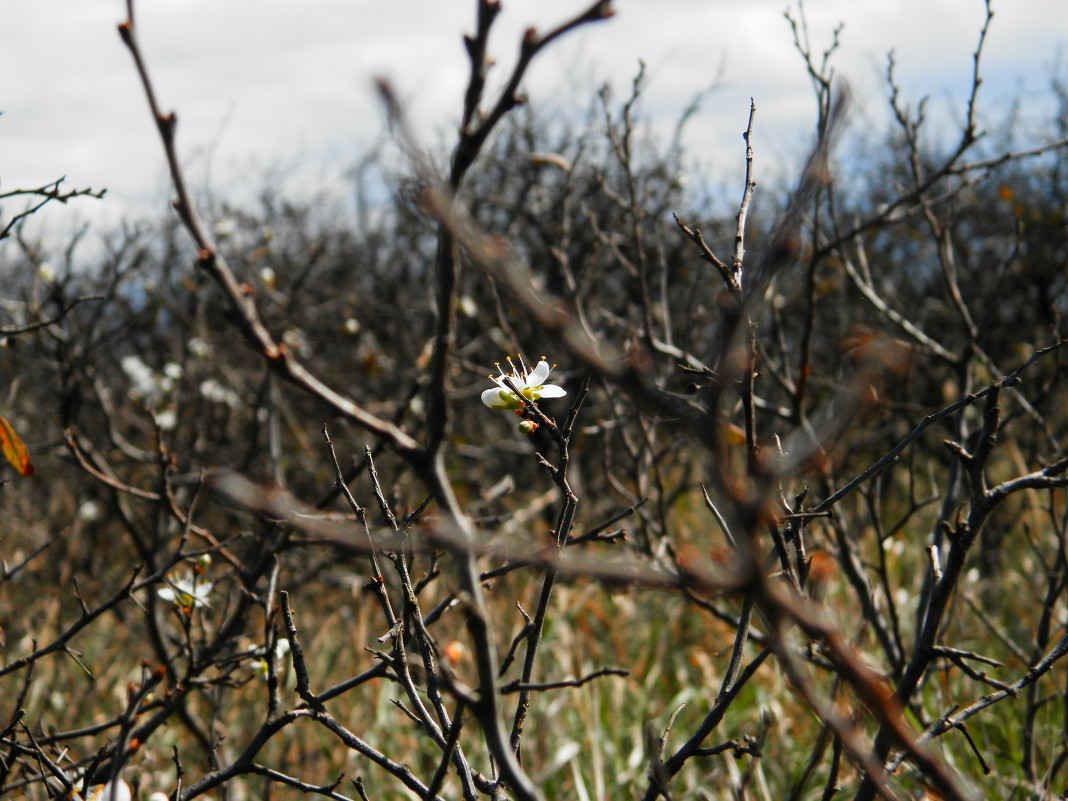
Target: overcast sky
288, 83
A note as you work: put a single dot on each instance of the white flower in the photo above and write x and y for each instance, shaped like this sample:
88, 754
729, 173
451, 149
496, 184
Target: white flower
281, 651
186, 593
197, 347
90, 511
167, 419
225, 228
215, 392
144, 383
530, 383
117, 791
467, 306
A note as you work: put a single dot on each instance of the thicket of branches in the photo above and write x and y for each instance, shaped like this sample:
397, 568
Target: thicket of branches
798, 528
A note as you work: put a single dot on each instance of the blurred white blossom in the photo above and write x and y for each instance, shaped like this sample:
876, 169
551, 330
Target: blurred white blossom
148, 386
281, 651
225, 228
90, 511
197, 347
143, 383
187, 593
112, 791
215, 392
467, 306
167, 419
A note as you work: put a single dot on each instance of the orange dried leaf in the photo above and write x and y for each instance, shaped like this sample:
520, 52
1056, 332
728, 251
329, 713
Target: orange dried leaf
454, 652
14, 451
821, 567
733, 434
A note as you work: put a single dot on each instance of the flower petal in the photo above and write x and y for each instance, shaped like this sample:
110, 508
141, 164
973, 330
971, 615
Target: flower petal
551, 391
539, 374
492, 398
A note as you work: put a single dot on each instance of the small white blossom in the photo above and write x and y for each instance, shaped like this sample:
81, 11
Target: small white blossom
281, 651
215, 392
46, 271
225, 228
530, 383
143, 381
167, 419
187, 592
90, 511
351, 326
197, 347
112, 791
146, 385
467, 306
